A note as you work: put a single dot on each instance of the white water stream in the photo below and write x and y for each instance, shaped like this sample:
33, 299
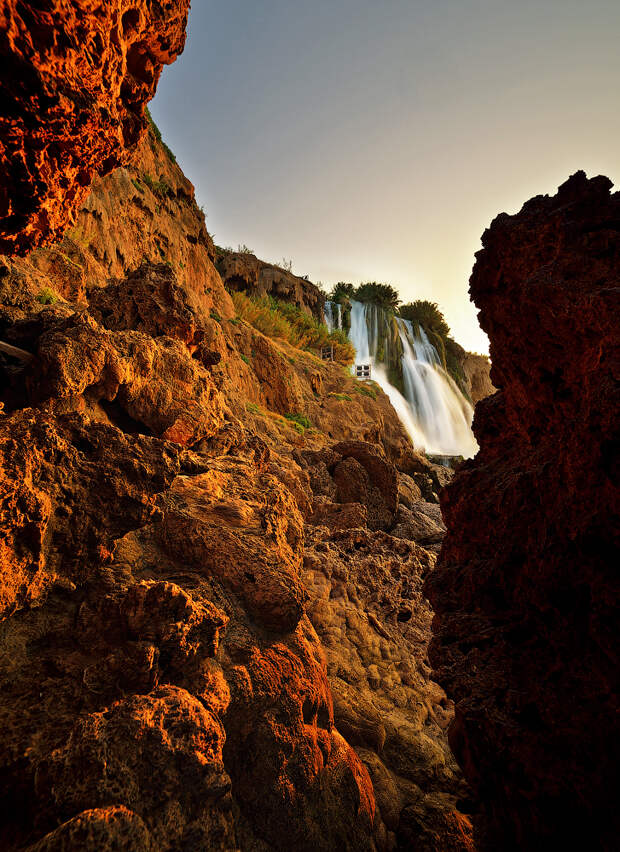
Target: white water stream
434, 412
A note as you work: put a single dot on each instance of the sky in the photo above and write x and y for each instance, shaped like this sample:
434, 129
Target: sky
370, 140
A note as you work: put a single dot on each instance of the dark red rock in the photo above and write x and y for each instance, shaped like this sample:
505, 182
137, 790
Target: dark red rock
526, 592
74, 83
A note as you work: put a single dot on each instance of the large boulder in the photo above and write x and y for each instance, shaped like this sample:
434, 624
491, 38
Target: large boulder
526, 592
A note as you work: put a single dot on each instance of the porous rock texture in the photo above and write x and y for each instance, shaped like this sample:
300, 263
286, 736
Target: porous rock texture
212, 637
75, 78
526, 591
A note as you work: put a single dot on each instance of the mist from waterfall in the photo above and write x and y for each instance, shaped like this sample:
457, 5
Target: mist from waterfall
434, 412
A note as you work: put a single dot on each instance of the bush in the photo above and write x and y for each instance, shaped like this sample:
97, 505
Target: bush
215, 316
341, 397
158, 187
299, 422
285, 321
246, 359
46, 296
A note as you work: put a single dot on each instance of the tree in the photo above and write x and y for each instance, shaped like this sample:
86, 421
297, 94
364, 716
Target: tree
428, 315
379, 294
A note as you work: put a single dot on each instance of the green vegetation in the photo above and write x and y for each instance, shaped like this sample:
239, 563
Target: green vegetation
138, 185
342, 292
157, 187
252, 408
246, 359
379, 294
341, 397
285, 321
299, 422
215, 316
157, 134
365, 390
46, 296
299, 418
427, 314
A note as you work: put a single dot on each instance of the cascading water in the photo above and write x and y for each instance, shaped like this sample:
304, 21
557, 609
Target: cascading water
333, 315
433, 410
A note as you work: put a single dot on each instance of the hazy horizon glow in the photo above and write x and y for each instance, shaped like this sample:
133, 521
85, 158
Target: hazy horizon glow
376, 141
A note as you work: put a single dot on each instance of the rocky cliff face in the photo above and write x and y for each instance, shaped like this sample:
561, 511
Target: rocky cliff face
244, 271
213, 631
74, 84
477, 372
525, 593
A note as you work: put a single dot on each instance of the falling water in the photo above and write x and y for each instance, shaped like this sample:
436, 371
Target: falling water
333, 315
433, 410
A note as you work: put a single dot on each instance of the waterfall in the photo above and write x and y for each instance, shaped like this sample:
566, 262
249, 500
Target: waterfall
333, 315
433, 410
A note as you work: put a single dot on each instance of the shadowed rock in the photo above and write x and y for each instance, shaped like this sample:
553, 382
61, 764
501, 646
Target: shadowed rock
526, 591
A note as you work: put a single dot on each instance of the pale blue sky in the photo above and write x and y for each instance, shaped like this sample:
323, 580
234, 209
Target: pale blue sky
377, 140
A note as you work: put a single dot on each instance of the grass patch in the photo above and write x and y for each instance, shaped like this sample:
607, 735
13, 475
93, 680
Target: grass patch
138, 185
253, 408
157, 187
299, 419
46, 296
246, 359
285, 321
364, 390
157, 134
341, 397
215, 316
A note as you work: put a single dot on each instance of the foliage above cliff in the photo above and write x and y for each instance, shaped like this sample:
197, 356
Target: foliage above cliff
286, 321
379, 294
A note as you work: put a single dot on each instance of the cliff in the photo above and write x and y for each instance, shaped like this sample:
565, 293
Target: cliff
244, 271
211, 560
525, 591
74, 84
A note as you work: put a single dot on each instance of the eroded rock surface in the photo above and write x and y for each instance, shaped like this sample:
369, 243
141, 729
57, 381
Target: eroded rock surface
74, 84
189, 575
526, 589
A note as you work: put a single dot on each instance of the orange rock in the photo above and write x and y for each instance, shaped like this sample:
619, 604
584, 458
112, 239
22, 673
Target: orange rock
73, 106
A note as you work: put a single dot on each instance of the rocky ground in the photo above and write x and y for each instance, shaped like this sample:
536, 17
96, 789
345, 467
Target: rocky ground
214, 633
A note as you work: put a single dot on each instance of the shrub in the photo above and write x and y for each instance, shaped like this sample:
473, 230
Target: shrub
157, 187
243, 249
246, 359
46, 296
299, 418
285, 321
138, 185
215, 316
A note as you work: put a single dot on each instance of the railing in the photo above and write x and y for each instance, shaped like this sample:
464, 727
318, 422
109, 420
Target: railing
327, 352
